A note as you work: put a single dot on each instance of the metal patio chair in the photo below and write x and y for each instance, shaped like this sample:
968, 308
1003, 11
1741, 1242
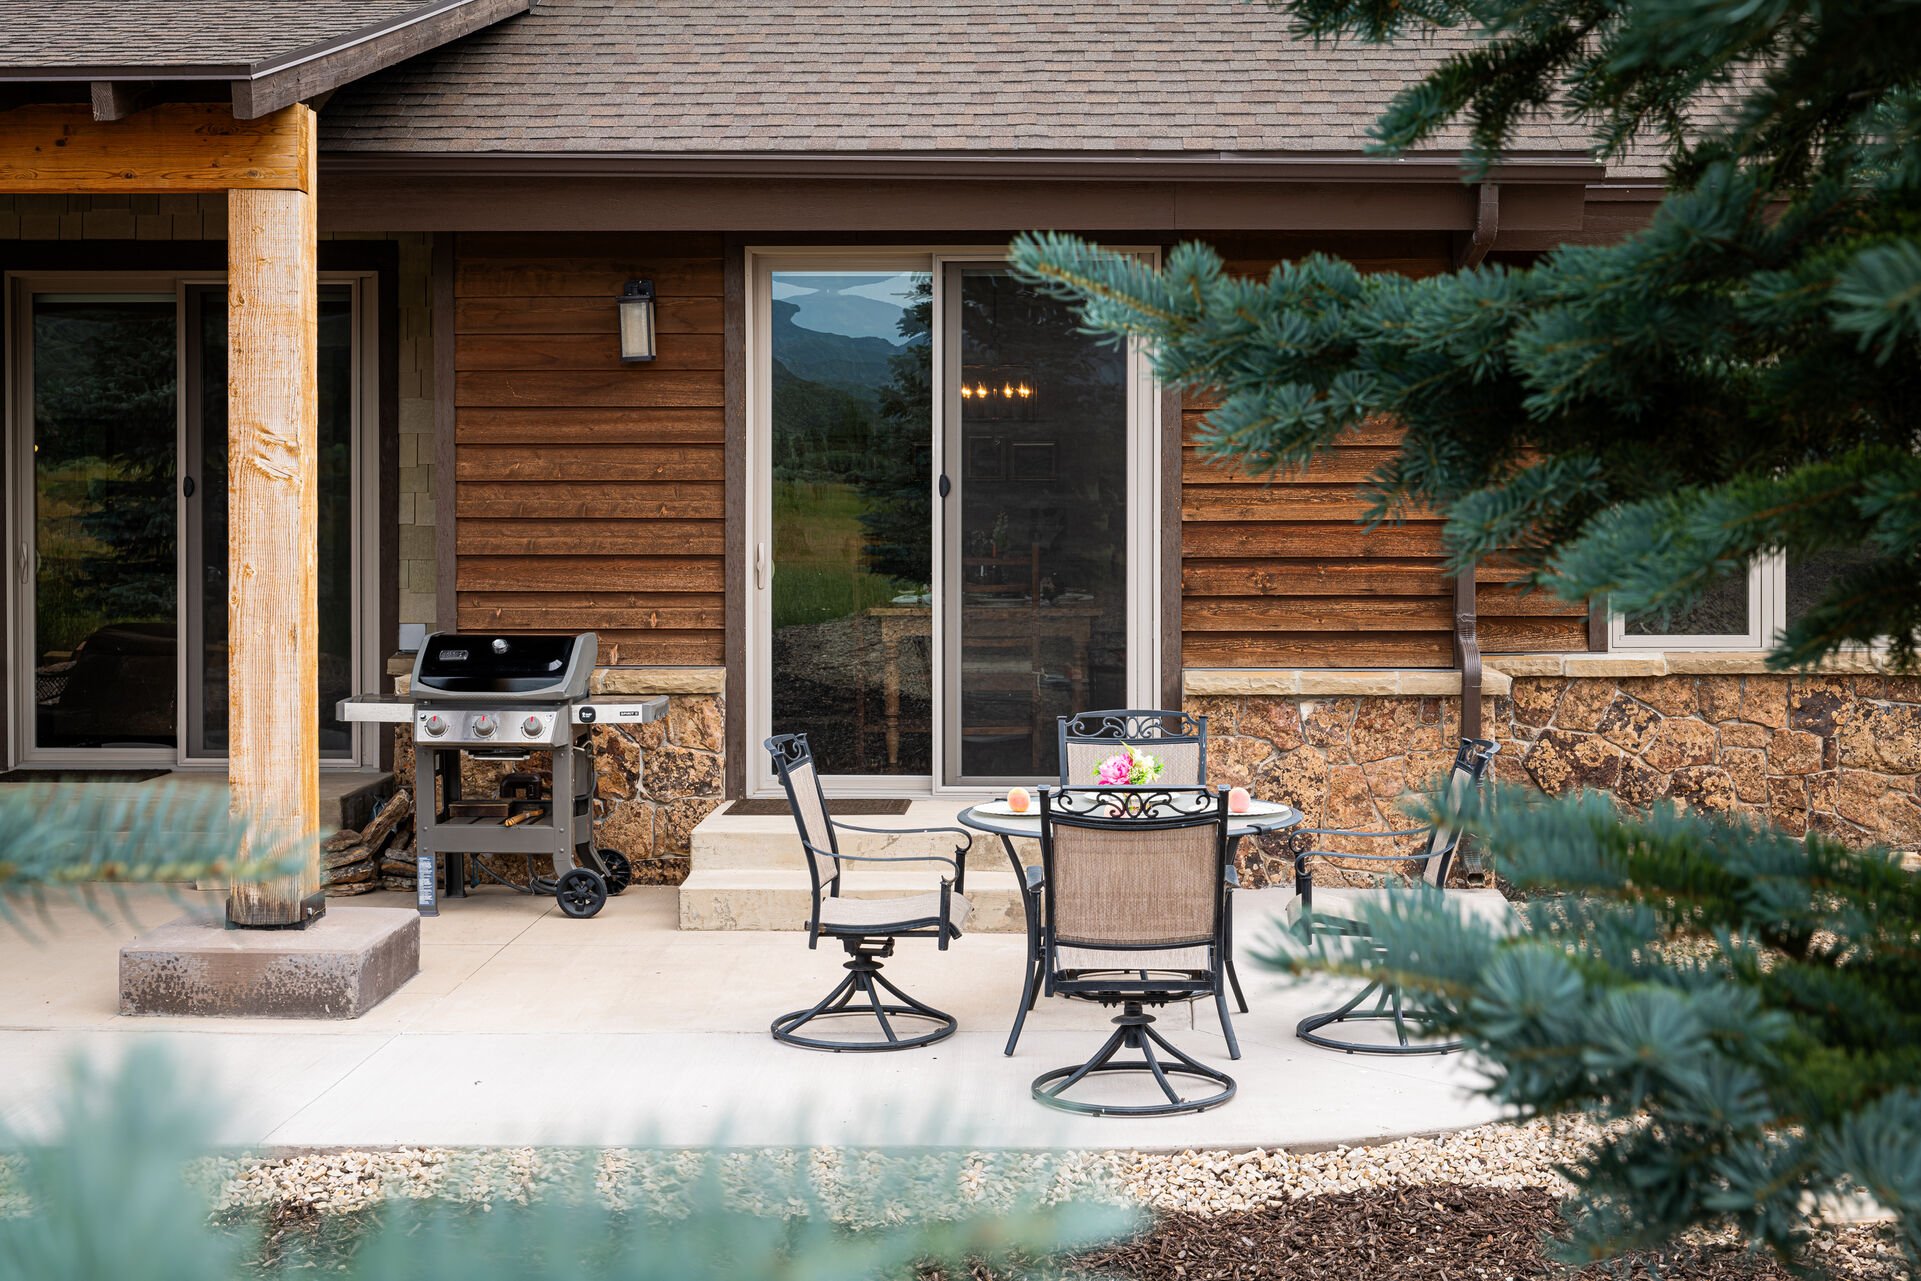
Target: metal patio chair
866, 927
1086, 739
1136, 905
1331, 913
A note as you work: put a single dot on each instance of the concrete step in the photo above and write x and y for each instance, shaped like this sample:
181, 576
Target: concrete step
772, 843
735, 898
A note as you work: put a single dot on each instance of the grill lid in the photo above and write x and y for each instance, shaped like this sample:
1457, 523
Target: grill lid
475, 665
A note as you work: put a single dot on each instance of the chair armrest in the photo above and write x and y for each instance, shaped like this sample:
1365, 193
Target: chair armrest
1342, 831
967, 837
816, 852
896, 858
1304, 875
958, 862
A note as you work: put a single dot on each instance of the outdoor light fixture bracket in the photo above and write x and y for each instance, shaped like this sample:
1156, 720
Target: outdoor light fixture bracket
636, 308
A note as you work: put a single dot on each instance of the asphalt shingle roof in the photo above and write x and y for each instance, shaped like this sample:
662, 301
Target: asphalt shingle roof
706, 76
168, 34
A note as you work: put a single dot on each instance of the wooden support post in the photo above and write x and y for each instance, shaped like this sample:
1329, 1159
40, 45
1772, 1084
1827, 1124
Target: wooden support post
273, 474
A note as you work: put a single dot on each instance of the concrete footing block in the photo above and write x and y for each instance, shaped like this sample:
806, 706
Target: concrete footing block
340, 967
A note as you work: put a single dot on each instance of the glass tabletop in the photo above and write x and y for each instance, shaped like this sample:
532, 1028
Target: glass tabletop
1029, 825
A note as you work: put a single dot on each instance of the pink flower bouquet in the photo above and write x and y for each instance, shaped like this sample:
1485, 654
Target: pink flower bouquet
1128, 767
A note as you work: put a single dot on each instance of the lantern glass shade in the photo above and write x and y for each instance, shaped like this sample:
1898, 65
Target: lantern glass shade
636, 304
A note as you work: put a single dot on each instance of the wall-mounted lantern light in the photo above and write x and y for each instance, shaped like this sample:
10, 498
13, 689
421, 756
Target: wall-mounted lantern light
636, 303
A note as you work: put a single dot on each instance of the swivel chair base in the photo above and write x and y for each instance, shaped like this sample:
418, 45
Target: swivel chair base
1387, 1008
1134, 1030
865, 980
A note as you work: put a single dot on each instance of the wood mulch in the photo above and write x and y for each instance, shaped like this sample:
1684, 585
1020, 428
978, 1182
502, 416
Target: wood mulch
1443, 1233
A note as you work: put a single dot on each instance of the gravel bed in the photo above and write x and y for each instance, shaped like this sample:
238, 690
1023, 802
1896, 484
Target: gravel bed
1193, 1182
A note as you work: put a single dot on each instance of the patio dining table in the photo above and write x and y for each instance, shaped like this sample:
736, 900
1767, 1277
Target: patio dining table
1276, 817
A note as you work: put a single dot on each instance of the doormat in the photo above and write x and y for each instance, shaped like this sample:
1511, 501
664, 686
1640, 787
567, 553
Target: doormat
81, 775
769, 807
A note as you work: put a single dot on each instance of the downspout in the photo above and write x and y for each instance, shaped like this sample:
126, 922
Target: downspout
1487, 225
1467, 653
1467, 647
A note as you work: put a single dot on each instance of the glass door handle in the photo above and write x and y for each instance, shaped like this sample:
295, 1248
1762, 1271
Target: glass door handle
760, 566
946, 485
23, 559
186, 487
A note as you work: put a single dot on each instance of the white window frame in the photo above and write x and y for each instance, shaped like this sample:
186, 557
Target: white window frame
1767, 617
16, 414
1144, 498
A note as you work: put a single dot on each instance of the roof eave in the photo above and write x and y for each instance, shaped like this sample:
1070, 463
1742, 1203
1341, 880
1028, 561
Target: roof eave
1210, 166
298, 75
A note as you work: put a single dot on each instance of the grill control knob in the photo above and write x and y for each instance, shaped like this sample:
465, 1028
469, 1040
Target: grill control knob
485, 725
434, 724
531, 727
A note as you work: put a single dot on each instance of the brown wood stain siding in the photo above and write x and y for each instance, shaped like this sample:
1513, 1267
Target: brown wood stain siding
588, 493
1275, 572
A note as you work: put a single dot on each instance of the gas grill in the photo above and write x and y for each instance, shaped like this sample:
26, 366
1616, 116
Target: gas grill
502, 698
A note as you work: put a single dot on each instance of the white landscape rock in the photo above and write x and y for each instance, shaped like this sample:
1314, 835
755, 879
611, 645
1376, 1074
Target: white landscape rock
860, 1184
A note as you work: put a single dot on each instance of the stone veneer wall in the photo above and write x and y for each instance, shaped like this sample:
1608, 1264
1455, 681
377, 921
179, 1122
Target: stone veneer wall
1834, 753
655, 781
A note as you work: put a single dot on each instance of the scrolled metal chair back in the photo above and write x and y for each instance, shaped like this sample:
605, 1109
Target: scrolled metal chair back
794, 767
1133, 868
1177, 738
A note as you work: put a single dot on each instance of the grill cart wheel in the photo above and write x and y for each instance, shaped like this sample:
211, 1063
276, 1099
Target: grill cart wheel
581, 893
620, 869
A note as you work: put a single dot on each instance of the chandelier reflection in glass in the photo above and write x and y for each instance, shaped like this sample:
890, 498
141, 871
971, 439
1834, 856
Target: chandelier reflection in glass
996, 393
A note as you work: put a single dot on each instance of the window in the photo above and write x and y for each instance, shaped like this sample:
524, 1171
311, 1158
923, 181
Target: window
1739, 614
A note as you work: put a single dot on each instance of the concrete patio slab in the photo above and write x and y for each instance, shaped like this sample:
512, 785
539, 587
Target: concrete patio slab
527, 1027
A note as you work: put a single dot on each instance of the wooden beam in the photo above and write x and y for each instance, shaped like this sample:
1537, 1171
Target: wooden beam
59, 148
272, 481
118, 99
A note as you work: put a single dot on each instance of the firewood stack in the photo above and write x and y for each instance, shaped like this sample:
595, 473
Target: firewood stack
378, 857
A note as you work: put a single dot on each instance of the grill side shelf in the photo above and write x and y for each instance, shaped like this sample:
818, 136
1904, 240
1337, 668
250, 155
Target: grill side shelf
620, 711
385, 709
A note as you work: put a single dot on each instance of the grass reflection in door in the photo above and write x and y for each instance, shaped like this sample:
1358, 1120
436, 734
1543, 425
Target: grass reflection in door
852, 527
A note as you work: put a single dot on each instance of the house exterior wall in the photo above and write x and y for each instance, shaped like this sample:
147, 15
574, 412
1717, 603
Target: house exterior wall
589, 492
1275, 571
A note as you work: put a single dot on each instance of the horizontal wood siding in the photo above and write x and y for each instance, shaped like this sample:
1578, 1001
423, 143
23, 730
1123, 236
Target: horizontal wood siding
1275, 572
588, 493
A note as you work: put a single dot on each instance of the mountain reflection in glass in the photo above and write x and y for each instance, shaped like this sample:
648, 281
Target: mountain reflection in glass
852, 545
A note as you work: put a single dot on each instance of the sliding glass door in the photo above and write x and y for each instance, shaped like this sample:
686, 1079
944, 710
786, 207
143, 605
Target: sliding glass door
848, 556
98, 564
1037, 525
952, 517
118, 439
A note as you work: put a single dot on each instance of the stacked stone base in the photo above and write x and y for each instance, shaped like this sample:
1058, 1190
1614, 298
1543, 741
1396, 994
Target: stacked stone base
1837, 754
